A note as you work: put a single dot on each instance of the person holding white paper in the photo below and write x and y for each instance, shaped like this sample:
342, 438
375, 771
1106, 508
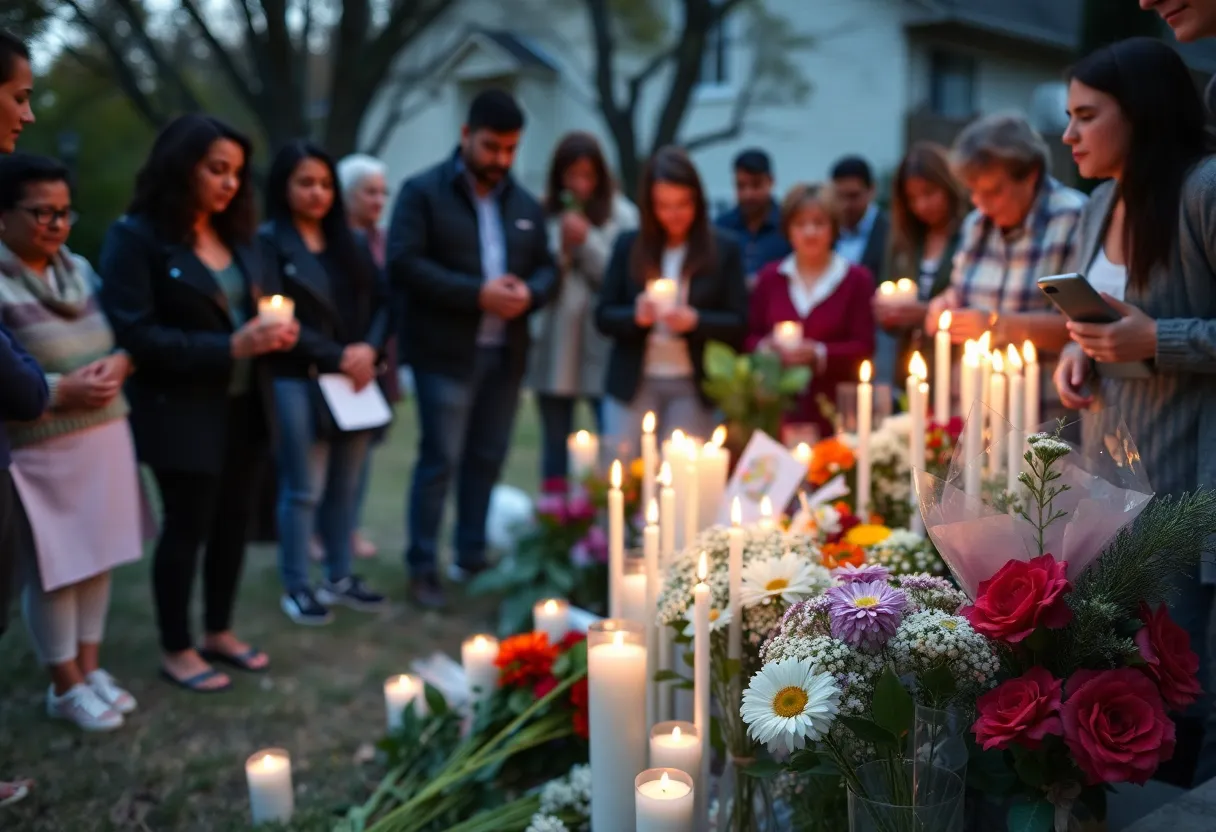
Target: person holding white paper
341, 303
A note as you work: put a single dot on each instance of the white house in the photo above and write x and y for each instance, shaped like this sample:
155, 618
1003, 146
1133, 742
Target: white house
880, 71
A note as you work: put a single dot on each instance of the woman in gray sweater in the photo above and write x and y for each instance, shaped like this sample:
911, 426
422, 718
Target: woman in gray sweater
1147, 241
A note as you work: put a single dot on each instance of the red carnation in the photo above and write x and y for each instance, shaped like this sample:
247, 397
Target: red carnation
1020, 597
1169, 659
1022, 711
1116, 726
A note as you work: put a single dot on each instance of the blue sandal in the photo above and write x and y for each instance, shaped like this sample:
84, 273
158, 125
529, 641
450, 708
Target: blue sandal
195, 683
241, 661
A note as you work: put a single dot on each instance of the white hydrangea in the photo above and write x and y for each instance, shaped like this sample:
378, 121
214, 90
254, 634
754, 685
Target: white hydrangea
931, 638
546, 823
905, 553
571, 792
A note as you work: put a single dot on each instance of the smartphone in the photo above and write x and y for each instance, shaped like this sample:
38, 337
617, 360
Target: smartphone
1076, 297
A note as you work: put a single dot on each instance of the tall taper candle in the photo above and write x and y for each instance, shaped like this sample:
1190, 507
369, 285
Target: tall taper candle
650, 458
973, 435
735, 581
1017, 416
675, 455
713, 470
941, 370
865, 416
984, 347
667, 548
616, 542
918, 393
966, 390
650, 553
996, 401
691, 497
700, 665
1034, 387
616, 715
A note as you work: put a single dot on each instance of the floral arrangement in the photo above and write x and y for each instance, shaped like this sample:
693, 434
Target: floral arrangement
906, 553
565, 804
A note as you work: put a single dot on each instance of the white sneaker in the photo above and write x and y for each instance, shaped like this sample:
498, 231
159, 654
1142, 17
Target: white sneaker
84, 707
104, 685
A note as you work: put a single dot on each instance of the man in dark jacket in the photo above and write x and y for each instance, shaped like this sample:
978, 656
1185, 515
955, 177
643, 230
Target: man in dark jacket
467, 247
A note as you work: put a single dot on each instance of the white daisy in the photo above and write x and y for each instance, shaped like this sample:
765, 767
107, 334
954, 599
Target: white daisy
718, 618
789, 577
789, 703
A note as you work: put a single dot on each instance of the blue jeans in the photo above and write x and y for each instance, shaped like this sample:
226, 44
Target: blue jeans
557, 423
465, 432
318, 486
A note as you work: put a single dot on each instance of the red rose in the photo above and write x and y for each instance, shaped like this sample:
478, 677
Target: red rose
1020, 597
1116, 726
1022, 710
542, 688
1170, 661
578, 700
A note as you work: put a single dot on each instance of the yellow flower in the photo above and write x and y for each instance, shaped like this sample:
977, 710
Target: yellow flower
867, 534
637, 469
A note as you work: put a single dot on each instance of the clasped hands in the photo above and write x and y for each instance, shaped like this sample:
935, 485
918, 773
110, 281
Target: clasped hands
94, 385
506, 296
679, 319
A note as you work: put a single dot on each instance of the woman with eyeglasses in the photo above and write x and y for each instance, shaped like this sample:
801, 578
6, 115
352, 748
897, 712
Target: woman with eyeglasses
74, 467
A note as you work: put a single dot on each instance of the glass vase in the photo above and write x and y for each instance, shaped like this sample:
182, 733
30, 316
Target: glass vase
905, 796
939, 738
743, 803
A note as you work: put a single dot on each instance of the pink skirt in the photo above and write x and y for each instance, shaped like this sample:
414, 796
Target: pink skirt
82, 495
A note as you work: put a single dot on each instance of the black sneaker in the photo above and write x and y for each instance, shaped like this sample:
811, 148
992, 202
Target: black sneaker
351, 592
427, 592
303, 607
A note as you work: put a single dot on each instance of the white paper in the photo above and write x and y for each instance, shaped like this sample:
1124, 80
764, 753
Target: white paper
361, 410
766, 468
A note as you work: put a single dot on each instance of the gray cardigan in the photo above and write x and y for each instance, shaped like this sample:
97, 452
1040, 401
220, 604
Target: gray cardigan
1171, 416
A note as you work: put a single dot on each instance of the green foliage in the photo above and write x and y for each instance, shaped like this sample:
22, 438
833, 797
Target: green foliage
1027, 816
752, 390
893, 708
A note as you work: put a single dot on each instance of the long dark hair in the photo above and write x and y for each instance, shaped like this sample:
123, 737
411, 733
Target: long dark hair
165, 190
930, 162
572, 148
339, 239
1158, 98
672, 166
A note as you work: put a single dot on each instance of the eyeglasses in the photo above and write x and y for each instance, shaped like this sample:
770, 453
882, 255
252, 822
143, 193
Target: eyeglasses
47, 216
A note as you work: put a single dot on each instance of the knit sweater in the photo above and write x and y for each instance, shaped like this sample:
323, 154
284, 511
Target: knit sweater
62, 326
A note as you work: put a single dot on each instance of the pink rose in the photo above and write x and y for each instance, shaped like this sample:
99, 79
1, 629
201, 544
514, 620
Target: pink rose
1022, 710
1170, 661
580, 508
1115, 725
1020, 597
552, 506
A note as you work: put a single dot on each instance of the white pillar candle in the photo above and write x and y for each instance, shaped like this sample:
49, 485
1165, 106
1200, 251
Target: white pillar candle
400, 692
583, 452
803, 453
650, 458
551, 617
700, 667
865, 415
973, 436
665, 801
941, 370
633, 590
787, 335
277, 308
713, 472
662, 293
477, 655
650, 553
616, 715
996, 401
735, 581
271, 798
918, 393
691, 498
676, 745
616, 541
1034, 388
1017, 416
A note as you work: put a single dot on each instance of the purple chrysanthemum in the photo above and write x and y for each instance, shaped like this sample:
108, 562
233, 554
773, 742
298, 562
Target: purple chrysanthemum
865, 615
927, 583
850, 574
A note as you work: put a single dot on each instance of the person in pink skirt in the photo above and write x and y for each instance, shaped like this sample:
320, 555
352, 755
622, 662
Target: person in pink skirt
822, 291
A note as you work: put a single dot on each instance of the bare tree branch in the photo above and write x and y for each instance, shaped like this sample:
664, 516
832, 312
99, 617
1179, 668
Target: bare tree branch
164, 67
734, 126
228, 66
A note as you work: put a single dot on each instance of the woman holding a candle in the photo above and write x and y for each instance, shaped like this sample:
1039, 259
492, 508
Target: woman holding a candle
656, 359
1145, 241
180, 284
824, 293
74, 468
568, 358
341, 303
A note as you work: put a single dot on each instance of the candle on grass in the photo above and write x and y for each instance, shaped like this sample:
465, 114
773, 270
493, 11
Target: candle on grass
1017, 416
973, 432
1034, 389
996, 401
713, 470
271, 798
918, 394
551, 617
277, 308
583, 452
941, 369
735, 581
401, 692
477, 655
665, 801
650, 553
616, 715
650, 457
865, 415
616, 541
787, 335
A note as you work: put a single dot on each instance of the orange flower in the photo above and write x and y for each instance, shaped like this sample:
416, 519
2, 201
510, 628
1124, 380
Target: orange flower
525, 658
637, 469
839, 554
829, 457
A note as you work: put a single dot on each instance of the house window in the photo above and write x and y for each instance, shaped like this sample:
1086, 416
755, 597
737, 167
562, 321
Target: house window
952, 85
715, 62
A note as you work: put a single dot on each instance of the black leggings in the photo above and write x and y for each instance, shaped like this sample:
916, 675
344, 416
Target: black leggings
211, 510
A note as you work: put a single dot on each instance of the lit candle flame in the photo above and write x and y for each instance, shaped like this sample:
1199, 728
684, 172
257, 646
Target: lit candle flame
582, 438
1015, 359
675, 735
736, 512
664, 780
648, 422
905, 284
616, 474
678, 437
943, 321
652, 513
998, 363
479, 642
766, 507
1029, 352
618, 639
917, 367
866, 371
719, 437
887, 288
276, 301
971, 354
703, 568
803, 453
985, 342
665, 475
550, 607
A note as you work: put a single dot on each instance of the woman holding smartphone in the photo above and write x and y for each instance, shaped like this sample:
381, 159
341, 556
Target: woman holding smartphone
1145, 242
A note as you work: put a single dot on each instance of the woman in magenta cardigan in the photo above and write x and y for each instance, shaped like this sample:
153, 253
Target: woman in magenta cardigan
829, 296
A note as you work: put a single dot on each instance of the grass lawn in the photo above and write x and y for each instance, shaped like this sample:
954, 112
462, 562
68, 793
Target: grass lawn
178, 763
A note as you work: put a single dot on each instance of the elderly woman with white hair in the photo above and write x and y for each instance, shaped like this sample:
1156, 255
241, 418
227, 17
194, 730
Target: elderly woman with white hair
1024, 228
364, 183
